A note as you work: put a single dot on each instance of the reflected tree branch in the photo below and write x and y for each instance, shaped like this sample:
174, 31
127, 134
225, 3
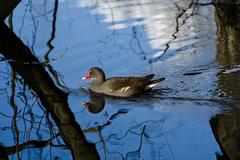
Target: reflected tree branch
56, 75
144, 132
139, 147
6, 7
23, 19
115, 115
181, 12
135, 37
51, 97
14, 126
35, 26
15, 110
29, 144
49, 42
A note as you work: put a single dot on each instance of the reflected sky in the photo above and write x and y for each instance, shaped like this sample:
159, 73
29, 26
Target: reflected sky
91, 36
173, 39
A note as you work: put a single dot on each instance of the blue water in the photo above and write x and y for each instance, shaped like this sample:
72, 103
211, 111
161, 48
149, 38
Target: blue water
124, 38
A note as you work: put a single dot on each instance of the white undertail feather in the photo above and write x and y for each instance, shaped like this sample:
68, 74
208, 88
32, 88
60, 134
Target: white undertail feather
152, 85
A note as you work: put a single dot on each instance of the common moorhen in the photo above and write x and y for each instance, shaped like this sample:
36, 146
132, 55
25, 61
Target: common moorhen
96, 103
119, 86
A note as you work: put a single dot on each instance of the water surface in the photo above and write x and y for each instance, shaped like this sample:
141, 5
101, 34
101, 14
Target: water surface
178, 40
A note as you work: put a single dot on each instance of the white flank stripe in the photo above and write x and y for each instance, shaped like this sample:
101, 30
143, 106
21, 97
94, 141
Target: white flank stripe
125, 89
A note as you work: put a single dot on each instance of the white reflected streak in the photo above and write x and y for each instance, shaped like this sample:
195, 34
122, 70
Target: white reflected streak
152, 16
158, 18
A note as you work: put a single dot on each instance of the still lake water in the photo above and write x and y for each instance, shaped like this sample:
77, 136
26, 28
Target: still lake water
173, 39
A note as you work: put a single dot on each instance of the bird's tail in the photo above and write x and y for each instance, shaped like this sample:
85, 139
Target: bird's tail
154, 83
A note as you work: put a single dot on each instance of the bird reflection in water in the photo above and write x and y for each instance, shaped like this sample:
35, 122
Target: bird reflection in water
96, 104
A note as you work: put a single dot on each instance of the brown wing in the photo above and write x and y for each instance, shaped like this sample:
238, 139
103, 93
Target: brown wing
137, 83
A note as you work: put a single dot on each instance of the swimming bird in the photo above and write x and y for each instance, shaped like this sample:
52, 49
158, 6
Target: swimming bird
120, 86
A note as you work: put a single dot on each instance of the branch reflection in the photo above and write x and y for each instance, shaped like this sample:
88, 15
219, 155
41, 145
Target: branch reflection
52, 98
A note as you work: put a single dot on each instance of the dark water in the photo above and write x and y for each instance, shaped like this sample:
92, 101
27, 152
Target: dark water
193, 114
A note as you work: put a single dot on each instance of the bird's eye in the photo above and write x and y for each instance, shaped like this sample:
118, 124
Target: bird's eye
91, 72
